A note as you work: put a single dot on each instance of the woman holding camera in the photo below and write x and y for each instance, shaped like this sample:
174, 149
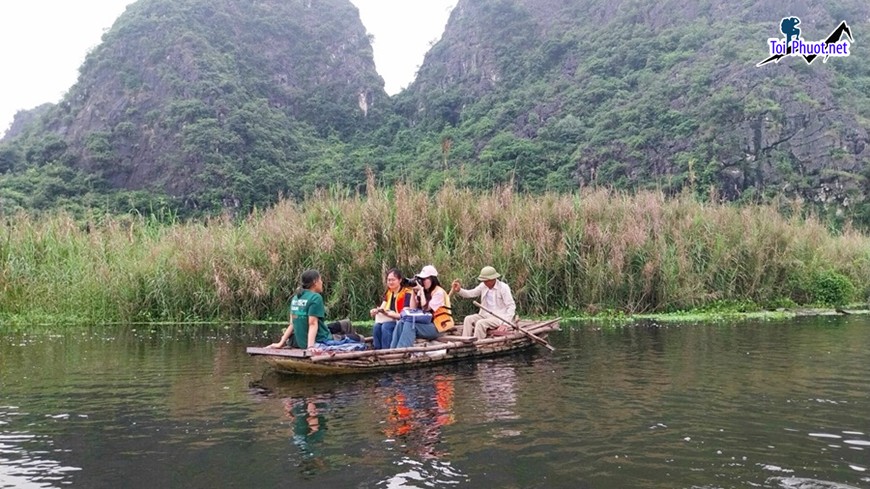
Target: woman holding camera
396, 298
430, 297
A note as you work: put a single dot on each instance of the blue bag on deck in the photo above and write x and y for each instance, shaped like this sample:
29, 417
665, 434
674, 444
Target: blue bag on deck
345, 344
416, 315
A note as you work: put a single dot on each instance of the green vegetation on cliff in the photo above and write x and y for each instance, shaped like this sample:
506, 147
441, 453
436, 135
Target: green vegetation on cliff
202, 106
563, 94
226, 106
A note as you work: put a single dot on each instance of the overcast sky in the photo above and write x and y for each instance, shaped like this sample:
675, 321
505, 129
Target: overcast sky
43, 43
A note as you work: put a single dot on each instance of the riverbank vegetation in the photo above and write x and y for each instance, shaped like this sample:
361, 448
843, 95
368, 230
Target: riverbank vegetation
597, 251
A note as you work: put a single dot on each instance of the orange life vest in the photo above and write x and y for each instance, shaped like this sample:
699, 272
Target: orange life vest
442, 318
403, 299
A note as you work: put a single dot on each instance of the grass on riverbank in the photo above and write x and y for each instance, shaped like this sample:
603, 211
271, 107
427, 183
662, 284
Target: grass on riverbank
595, 251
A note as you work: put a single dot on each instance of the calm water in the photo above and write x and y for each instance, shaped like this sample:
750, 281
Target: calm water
770, 405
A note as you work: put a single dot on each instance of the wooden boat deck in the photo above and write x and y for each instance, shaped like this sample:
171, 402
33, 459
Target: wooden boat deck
445, 349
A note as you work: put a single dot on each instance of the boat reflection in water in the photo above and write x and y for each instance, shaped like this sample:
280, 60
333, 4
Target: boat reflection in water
416, 415
498, 392
305, 407
401, 416
309, 428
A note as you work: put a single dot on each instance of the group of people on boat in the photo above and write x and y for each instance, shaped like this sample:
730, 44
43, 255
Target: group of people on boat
417, 307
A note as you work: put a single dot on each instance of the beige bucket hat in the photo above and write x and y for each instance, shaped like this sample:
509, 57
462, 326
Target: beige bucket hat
488, 273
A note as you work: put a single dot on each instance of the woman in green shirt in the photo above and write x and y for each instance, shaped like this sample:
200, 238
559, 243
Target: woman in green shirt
306, 326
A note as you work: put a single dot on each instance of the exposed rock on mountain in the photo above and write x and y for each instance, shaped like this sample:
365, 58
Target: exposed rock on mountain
564, 93
215, 102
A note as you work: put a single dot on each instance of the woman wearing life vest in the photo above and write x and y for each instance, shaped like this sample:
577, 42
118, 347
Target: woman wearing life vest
387, 314
429, 297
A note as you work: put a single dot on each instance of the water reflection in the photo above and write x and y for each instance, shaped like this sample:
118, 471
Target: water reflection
308, 416
417, 474
806, 483
307, 411
498, 394
417, 411
400, 422
772, 405
498, 389
25, 458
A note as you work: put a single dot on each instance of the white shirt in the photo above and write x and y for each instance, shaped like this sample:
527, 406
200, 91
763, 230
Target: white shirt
499, 299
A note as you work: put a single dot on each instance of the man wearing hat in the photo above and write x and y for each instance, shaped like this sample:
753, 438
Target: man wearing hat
495, 296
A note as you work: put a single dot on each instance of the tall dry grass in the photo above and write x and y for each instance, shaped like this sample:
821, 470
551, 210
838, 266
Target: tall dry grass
596, 250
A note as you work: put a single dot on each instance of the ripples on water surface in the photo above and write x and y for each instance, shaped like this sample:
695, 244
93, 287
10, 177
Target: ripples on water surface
770, 405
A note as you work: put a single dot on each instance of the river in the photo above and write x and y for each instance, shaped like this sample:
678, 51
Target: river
769, 404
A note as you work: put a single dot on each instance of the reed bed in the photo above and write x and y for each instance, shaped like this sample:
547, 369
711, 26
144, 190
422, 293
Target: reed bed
597, 250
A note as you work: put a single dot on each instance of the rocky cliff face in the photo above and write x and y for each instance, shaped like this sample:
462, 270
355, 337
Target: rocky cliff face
666, 94
230, 103
179, 89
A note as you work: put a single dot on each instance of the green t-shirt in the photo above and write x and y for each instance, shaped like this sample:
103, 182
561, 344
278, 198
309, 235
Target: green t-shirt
308, 304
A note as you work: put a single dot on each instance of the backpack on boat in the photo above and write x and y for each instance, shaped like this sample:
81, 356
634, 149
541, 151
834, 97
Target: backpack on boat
344, 329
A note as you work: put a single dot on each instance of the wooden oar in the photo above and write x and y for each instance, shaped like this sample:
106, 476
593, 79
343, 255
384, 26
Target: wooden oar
537, 339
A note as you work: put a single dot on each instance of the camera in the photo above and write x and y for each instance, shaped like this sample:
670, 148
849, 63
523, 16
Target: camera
410, 282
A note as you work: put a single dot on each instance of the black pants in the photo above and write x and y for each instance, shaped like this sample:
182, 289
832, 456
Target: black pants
341, 327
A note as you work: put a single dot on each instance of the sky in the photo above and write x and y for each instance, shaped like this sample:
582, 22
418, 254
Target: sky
43, 43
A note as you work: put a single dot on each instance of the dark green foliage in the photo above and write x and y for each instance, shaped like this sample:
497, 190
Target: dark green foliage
10, 159
48, 149
52, 186
832, 288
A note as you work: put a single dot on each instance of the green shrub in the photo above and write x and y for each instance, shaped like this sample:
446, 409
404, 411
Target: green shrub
832, 288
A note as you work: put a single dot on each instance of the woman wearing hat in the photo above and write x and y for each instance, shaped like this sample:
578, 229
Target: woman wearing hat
430, 297
495, 296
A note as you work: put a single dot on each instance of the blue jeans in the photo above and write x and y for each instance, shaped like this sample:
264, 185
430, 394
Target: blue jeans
407, 331
382, 335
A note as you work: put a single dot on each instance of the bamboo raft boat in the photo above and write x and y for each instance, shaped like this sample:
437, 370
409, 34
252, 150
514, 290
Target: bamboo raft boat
445, 349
